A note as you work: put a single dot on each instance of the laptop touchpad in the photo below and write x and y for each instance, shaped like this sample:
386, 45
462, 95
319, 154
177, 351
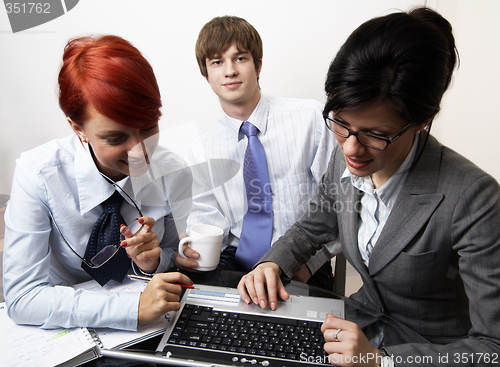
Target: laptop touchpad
283, 308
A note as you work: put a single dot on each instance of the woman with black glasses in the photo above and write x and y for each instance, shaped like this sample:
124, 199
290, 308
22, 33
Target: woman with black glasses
99, 204
419, 222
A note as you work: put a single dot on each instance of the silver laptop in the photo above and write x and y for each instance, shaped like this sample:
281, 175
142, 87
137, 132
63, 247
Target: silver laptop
215, 327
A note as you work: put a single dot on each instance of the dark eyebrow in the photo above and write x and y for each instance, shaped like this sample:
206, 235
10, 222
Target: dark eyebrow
149, 128
111, 132
239, 53
242, 52
340, 120
366, 132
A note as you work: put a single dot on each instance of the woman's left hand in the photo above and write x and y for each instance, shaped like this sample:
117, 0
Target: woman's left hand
350, 347
144, 248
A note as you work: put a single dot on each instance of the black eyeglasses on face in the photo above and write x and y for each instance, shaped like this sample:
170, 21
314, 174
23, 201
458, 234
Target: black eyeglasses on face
103, 256
368, 140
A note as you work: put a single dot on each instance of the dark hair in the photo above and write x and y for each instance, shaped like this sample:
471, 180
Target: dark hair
220, 33
109, 75
403, 59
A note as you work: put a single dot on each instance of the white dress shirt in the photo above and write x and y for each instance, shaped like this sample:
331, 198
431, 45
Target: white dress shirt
298, 147
39, 268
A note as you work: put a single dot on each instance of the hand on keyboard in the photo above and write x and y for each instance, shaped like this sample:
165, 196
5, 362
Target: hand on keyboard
346, 342
265, 277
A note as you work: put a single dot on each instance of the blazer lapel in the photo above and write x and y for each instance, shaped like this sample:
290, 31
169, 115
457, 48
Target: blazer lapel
349, 235
416, 203
348, 228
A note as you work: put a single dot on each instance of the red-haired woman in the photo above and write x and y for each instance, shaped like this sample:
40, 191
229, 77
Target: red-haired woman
61, 228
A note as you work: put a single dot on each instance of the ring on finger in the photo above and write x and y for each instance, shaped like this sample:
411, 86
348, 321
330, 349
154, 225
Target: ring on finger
336, 334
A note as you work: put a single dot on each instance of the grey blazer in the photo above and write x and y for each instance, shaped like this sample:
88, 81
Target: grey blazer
436, 265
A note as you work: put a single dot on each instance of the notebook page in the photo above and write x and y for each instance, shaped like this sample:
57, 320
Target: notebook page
22, 345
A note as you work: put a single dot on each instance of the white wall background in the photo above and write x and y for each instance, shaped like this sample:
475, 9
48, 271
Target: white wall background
300, 39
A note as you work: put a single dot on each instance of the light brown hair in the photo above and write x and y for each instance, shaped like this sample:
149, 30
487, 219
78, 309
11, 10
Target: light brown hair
220, 33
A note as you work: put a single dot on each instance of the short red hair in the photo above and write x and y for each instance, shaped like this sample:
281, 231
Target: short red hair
109, 75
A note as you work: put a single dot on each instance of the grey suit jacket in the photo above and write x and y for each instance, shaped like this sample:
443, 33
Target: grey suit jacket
436, 265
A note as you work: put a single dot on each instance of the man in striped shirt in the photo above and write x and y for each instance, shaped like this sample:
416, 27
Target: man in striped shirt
296, 143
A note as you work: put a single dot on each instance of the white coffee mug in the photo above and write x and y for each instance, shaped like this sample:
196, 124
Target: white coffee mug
207, 241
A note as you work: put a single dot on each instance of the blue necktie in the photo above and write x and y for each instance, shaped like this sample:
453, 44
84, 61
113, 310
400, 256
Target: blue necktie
106, 231
256, 233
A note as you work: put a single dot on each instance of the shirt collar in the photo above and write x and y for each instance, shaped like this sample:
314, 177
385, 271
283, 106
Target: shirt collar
93, 189
392, 185
258, 118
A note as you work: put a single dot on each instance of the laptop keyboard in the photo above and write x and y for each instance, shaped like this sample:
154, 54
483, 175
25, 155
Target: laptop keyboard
246, 336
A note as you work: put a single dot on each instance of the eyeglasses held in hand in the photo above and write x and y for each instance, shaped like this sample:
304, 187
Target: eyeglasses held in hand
108, 251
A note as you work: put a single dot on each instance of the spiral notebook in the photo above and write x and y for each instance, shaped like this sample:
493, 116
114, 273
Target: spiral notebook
23, 345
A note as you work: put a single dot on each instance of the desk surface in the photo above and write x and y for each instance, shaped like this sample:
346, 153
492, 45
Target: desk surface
368, 319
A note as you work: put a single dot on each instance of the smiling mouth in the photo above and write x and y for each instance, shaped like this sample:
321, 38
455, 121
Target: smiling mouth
355, 163
136, 163
232, 84
142, 159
